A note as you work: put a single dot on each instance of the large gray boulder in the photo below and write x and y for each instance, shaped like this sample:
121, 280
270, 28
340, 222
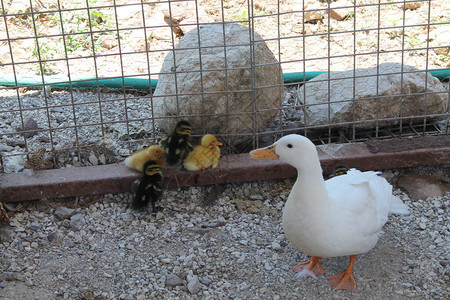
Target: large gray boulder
375, 97
232, 89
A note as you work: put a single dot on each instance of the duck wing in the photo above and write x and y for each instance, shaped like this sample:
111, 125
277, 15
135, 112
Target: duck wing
364, 200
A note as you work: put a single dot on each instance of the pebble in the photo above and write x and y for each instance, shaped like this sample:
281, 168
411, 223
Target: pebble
173, 280
10, 276
62, 213
31, 125
77, 221
194, 285
256, 197
206, 280
126, 217
276, 246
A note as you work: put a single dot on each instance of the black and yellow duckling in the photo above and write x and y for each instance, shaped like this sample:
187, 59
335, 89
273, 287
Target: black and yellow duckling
148, 189
339, 170
177, 144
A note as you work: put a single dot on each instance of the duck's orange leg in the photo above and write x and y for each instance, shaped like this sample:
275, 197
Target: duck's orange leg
312, 265
344, 280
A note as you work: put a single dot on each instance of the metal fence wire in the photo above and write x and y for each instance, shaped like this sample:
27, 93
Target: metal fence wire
92, 81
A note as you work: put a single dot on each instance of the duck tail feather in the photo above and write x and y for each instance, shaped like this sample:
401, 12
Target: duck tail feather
398, 207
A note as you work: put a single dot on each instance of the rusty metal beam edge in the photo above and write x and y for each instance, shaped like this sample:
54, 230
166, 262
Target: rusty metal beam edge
234, 168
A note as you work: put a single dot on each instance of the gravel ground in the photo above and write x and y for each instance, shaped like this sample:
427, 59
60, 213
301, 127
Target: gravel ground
96, 248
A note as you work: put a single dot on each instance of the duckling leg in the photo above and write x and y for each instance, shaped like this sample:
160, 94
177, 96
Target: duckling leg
312, 265
344, 280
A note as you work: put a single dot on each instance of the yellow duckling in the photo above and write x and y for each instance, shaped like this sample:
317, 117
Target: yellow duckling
205, 155
137, 160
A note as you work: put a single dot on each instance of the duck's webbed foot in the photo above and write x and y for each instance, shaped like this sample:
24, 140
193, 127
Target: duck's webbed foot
344, 280
310, 268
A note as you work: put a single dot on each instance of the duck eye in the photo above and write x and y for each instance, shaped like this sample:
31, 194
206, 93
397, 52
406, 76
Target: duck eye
289, 145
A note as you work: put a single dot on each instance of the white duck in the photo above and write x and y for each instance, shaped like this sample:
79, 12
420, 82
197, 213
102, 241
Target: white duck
338, 217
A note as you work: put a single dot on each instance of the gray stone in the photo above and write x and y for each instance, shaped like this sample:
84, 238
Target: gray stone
420, 186
54, 237
31, 126
6, 233
194, 285
371, 102
276, 246
10, 276
173, 280
206, 280
225, 92
256, 197
93, 159
127, 217
77, 221
62, 213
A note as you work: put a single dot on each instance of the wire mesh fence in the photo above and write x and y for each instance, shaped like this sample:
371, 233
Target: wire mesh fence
93, 81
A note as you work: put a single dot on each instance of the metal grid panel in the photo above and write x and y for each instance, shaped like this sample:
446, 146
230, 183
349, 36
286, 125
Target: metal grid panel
50, 51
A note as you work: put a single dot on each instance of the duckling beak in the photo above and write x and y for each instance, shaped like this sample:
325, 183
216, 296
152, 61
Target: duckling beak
219, 143
265, 153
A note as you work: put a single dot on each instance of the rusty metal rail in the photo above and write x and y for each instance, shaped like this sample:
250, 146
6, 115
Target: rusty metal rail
116, 178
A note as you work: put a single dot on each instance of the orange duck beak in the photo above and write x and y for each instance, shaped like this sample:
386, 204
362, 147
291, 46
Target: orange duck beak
265, 153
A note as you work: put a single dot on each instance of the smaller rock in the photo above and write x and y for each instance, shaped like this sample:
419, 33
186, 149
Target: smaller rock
6, 233
276, 246
93, 159
109, 42
62, 213
412, 5
439, 38
102, 159
54, 237
29, 283
10, 276
314, 15
419, 186
310, 13
2, 284
341, 13
194, 285
423, 226
77, 221
173, 280
206, 280
163, 31
410, 262
127, 217
241, 259
30, 125
256, 197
